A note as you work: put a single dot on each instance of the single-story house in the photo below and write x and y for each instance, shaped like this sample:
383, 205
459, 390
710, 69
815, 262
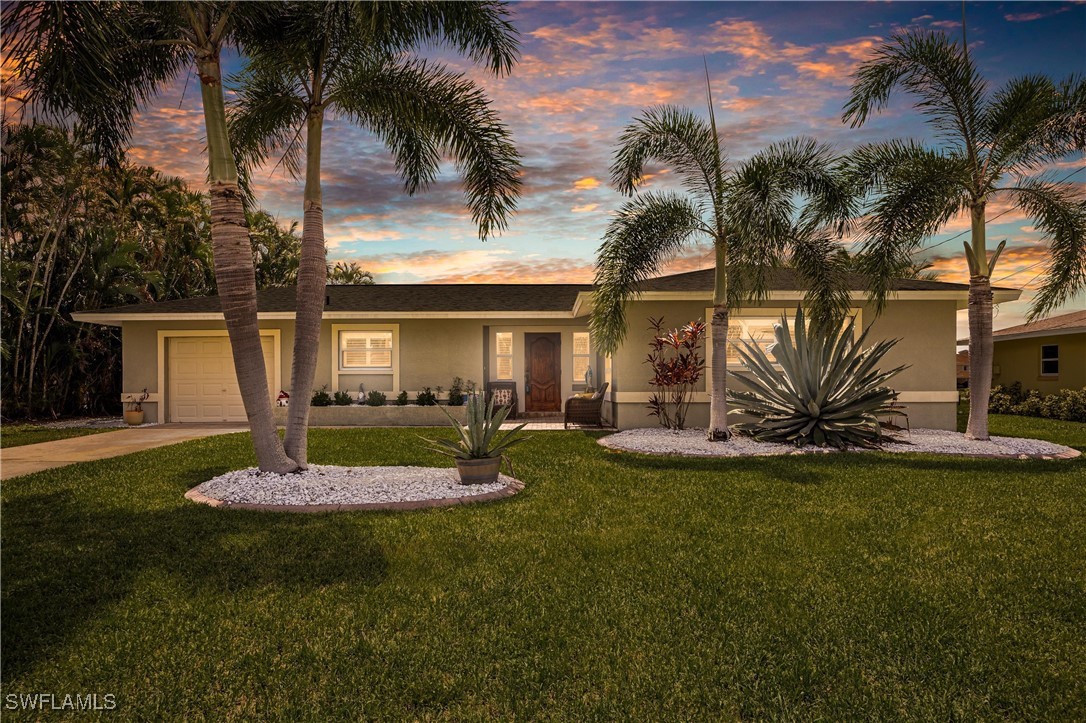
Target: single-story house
961, 361
393, 337
1046, 355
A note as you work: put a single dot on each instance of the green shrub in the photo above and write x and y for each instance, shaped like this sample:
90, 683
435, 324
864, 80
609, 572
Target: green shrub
375, 399
426, 398
321, 398
401, 399
342, 399
829, 389
456, 392
1068, 405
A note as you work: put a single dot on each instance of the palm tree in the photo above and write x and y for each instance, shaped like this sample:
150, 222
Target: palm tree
101, 62
310, 61
747, 211
348, 273
991, 145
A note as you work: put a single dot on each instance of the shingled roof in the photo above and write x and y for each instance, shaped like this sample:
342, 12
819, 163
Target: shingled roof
481, 297
1075, 321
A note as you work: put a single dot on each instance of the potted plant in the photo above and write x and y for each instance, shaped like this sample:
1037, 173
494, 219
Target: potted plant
133, 416
479, 452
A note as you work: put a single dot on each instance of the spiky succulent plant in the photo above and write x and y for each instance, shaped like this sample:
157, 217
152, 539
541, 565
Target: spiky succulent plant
828, 389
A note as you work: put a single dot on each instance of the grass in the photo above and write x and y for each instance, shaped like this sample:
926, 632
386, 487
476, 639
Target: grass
1011, 425
17, 435
863, 586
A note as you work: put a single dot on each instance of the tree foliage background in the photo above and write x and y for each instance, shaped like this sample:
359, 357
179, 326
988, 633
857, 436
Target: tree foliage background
78, 234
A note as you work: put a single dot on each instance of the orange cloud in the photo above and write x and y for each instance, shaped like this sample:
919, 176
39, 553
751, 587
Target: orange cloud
584, 184
586, 208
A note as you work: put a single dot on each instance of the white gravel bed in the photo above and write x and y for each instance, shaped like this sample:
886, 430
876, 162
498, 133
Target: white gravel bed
692, 443
332, 485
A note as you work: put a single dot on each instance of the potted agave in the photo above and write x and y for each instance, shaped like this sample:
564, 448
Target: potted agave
133, 416
479, 451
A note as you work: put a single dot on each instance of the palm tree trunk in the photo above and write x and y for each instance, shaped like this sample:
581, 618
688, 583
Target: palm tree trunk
980, 355
309, 303
980, 330
235, 275
718, 399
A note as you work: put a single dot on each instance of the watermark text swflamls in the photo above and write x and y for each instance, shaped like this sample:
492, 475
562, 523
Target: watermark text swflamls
63, 701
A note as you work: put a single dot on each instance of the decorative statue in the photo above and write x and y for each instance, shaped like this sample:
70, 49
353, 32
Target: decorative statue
283, 399
588, 376
361, 392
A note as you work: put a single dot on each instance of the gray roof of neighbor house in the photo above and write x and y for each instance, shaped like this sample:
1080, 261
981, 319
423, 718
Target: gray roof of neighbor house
1075, 321
479, 297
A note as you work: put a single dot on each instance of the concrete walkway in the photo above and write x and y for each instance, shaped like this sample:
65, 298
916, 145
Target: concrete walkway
29, 458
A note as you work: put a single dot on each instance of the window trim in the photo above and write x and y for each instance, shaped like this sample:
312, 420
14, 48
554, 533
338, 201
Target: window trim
1043, 373
363, 370
337, 371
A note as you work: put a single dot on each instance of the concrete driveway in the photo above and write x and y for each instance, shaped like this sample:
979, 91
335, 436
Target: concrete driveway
30, 458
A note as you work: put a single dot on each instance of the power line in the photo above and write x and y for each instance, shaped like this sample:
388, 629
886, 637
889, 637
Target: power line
993, 218
1020, 271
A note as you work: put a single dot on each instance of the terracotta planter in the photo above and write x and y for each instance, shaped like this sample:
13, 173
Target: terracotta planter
133, 418
478, 471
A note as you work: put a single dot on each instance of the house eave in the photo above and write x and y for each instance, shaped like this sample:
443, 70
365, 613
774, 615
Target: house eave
116, 319
997, 337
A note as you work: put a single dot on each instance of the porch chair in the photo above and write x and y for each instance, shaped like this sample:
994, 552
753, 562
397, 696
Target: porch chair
503, 394
585, 410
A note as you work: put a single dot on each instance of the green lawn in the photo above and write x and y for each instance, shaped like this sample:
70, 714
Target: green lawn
16, 435
859, 586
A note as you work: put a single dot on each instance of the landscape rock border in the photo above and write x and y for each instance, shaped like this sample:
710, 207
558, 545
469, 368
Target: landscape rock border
512, 487
691, 443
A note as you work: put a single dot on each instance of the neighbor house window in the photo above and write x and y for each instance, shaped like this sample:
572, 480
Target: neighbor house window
1050, 360
365, 350
582, 355
504, 350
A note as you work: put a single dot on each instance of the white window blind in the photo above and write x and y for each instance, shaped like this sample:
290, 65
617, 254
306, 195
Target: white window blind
582, 355
365, 350
503, 347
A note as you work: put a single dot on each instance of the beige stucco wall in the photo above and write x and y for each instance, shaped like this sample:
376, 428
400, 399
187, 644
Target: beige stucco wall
926, 329
432, 351
1019, 360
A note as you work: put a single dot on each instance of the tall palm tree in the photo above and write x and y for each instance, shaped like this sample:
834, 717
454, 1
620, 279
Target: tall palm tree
747, 211
311, 61
990, 145
101, 62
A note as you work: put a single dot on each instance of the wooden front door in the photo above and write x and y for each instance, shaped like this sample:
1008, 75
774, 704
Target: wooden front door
543, 376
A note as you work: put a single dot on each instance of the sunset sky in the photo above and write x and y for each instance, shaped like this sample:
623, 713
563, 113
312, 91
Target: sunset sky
778, 69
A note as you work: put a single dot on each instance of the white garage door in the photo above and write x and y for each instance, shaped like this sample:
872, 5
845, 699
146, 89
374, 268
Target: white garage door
203, 386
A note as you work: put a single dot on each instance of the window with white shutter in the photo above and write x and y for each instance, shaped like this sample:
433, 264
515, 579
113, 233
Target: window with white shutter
369, 350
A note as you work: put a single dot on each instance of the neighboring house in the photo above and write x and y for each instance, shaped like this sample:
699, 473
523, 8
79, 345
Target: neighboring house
961, 361
1046, 355
393, 337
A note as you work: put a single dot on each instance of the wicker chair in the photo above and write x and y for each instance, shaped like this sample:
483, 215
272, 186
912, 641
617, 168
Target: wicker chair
586, 410
503, 394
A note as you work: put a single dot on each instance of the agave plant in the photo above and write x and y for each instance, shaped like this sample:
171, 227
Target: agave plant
828, 391
478, 434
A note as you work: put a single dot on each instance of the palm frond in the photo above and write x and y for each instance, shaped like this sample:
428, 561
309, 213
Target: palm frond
916, 191
97, 62
761, 208
673, 137
1060, 214
421, 110
482, 31
267, 117
1031, 121
950, 90
642, 236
